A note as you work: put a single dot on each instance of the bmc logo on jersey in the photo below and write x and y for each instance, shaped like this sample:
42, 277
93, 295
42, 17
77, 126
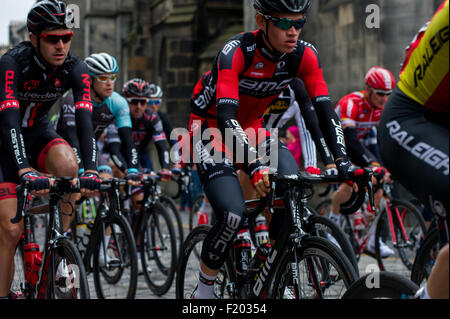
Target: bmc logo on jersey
263, 86
229, 46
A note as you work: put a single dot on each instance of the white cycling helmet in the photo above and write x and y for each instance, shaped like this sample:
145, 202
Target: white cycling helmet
101, 63
155, 91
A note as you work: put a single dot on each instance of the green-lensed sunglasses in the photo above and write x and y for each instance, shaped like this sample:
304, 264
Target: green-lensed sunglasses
285, 23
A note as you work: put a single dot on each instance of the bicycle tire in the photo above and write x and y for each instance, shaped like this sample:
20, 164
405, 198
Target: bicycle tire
325, 254
317, 225
121, 246
18, 282
151, 251
179, 223
196, 204
65, 288
414, 235
426, 256
184, 290
322, 208
391, 285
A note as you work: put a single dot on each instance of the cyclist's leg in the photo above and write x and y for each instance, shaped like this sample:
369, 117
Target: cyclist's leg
341, 195
437, 284
57, 158
9, 232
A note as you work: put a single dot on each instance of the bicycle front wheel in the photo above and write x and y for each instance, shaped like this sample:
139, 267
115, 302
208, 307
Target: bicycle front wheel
115, 258
158, 249
426, 257
323, 272
381, 284
189, 266
69, 280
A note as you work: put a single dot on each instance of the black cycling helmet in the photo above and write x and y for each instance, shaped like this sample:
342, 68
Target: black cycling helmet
136, 88
281, 6
49, 14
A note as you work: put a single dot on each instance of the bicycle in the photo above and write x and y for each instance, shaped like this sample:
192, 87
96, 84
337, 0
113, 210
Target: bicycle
327, 271
406, 227
58, 272
155, 236
110, 253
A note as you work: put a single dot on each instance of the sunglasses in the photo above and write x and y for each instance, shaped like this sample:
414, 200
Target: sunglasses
382, 93
154, 102
105, 78
55, 38
138, 101
285, 23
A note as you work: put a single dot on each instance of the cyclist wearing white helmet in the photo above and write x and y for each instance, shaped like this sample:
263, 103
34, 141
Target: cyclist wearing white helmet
109, 106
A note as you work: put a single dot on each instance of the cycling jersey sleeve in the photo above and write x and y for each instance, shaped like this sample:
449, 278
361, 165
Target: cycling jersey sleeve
310, 72
83, 115
128, 147
359, 154
113, 146
311, 121
10, 116
230, 64
159, 137
120, 110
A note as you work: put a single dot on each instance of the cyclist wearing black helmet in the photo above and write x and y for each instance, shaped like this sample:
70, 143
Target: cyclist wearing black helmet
249, 72
33, 75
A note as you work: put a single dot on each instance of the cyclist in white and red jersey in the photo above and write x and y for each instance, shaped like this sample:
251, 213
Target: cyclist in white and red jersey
360, 113
249, 72
33, 75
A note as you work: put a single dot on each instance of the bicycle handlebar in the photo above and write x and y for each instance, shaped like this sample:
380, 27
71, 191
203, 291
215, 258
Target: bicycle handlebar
61, 185
305, 180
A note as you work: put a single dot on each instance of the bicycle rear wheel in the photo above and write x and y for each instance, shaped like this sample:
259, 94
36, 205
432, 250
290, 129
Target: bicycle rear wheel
382, 284
115, 265
326, 228
69, 280
188, 268
158, 249
323, 270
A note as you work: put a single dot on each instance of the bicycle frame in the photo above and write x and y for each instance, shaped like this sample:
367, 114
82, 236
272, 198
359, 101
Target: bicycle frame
53, 234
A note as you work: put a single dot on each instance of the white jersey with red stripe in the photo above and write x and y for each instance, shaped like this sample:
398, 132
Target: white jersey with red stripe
355, 109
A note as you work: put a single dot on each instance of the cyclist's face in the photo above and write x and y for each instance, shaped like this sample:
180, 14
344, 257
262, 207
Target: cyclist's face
104, 89
282, 40
137, 107
377, 100
54, 53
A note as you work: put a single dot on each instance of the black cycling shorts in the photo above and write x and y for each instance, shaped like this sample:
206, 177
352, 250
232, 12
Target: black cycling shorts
414, 146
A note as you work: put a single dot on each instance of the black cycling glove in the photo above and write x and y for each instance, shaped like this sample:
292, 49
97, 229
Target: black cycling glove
347, 170
90, 181
37, 181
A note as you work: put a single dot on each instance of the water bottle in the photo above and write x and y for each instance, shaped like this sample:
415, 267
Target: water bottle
260, 257
242, 247
261, 231
33, 261
83, 236
358, 221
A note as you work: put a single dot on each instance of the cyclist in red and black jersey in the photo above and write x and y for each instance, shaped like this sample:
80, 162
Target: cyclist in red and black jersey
250, 71
33, 75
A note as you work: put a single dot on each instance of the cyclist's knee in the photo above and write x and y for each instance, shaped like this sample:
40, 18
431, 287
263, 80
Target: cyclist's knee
10, 233
61, 161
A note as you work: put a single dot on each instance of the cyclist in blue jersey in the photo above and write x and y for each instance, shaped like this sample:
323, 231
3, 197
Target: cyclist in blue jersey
108, 107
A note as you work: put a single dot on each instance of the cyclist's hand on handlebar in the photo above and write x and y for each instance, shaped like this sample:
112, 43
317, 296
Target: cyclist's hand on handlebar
165, 175
89, 183
349, 172
39, 184
260, 179
133, 177
313, 170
